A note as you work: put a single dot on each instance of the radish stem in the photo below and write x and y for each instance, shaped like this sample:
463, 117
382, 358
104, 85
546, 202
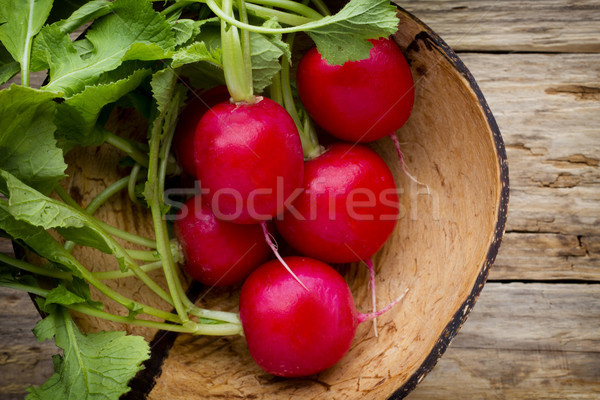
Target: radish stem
116, 232
35, 269
234, 63
116, 274
282, 17
189, 327
293, 6
154, 184
106, 194
245, 42
321, 7
127, 147
308, 137
133, 179
118, 250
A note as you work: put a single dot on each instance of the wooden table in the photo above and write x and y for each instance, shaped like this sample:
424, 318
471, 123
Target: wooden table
535, 331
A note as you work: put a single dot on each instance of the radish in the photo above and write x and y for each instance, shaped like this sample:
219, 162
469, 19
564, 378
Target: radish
218, 253
183, 140
348, 209
359, 101
247, 151
292, 331
249, 159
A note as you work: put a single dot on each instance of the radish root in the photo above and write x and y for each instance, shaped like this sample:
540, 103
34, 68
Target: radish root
369, 263
367, 317
402, 164
272, 244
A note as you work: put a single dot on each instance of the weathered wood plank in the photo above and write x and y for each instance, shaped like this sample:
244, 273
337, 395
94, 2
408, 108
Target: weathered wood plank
535, 317
23, 361
547, 256
512, 25
548, 110
523, 341
493, 374
6, 246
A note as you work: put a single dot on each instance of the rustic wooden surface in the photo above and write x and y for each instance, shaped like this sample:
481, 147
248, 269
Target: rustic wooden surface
535, 331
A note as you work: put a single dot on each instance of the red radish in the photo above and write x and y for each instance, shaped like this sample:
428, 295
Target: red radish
359, 101
292, 331
218, 253
348, 209
249, 157
183, 141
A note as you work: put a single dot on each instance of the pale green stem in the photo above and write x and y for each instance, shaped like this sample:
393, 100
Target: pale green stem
234, 65
189, 327
321, 7
155, 184
293, 6
310, 143
212, 4
143, 255
176, 6
204, 313
25, 57
127, 147
133, 179
106, 194
117, 273
35, 269
25, 288
118, 250
283, 17
130, 237
131, 321
119, 298
245, 42
116, 232
275, 91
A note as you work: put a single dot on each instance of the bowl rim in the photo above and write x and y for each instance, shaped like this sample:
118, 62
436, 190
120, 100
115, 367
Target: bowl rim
433, 40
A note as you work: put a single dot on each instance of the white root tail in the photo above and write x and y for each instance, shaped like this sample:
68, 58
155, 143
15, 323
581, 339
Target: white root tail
271, 242
367, 317
402, 164
369, 263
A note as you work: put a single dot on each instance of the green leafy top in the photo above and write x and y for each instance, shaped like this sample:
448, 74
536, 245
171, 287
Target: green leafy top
343, 37
28, 148
20, 21
131, 31
83, 368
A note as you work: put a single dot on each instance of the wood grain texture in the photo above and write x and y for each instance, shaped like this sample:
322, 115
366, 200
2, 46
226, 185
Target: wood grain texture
512, 25
548, 109
23, 361
523, 341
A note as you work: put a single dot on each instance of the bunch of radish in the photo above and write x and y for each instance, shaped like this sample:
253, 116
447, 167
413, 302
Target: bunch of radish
255, 161
252, 147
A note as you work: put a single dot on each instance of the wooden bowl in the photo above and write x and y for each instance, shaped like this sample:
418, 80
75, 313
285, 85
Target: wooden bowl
442, 250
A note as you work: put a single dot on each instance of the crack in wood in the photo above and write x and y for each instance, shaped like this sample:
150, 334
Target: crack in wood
580, 92
577, 160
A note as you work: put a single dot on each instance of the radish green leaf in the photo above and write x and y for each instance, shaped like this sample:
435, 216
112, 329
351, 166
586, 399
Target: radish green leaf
28, 149
82, 368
